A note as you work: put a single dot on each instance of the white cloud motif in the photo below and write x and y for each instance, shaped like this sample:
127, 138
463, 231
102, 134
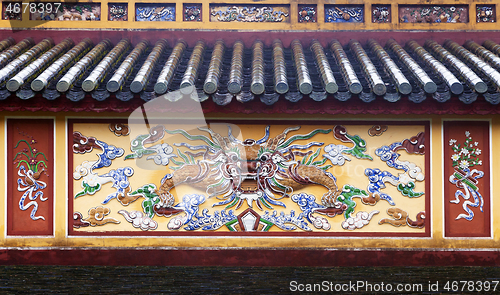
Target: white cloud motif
362, 218
334, 153
138, 220
163, 154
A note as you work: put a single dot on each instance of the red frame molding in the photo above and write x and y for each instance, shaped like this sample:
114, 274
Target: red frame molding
427, 196
251, 257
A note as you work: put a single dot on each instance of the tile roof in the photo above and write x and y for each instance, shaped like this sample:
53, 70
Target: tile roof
82, 76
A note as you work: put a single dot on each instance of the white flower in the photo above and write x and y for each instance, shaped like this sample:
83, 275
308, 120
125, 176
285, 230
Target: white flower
452, 141
480, 162
471, 145
476, 143
436, 7
467, 133
455, 157
464, 151
464, 164
425, 11
452, 9
478, 152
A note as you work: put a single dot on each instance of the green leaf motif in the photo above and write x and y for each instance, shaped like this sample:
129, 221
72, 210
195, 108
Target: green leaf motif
407, 190
88, 190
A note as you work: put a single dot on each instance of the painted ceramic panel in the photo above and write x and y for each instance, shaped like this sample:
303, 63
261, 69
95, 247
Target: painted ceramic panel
249, 13
334, 179
433, 14
11, 10
467, 179
192, 12
344, 13
68, 12
30, 177
307, 14
145, 12
485, 13
381, 13
118, 11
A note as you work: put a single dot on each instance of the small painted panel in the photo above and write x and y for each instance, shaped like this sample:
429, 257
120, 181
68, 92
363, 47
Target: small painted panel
344, 13
467, 179
192, 12
485, 13
307, 13
30, 175
66, 11
381, 13
250, 13
11, 10
433, 14
118, 11
222, 179
162, 12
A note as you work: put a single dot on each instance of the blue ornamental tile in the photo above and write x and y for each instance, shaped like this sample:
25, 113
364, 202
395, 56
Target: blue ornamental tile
154, 12
344, 14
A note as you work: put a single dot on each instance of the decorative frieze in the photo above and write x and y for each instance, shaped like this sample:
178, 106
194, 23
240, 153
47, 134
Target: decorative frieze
433, 14
247, 13
352, 180
485, 14
381, 13
307, 13
344, 13
118, 12
192, 12
154, 12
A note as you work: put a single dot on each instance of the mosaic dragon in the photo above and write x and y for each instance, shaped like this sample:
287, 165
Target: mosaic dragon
264, 170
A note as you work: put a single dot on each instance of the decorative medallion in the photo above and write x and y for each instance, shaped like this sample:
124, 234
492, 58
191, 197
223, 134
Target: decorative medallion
485, 14
307, 14
154, 12
118, 11
344, 13
192, 12
257, 13
433, 14
381, 13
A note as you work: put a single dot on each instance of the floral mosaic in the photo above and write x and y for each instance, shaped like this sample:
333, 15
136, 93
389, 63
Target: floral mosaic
466, 163
192, 12
307, 14
381, 13
433, 14
485, 14
70, 12
11, 10
154, 12
118, 12
257, 13
344, 14
215, 180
